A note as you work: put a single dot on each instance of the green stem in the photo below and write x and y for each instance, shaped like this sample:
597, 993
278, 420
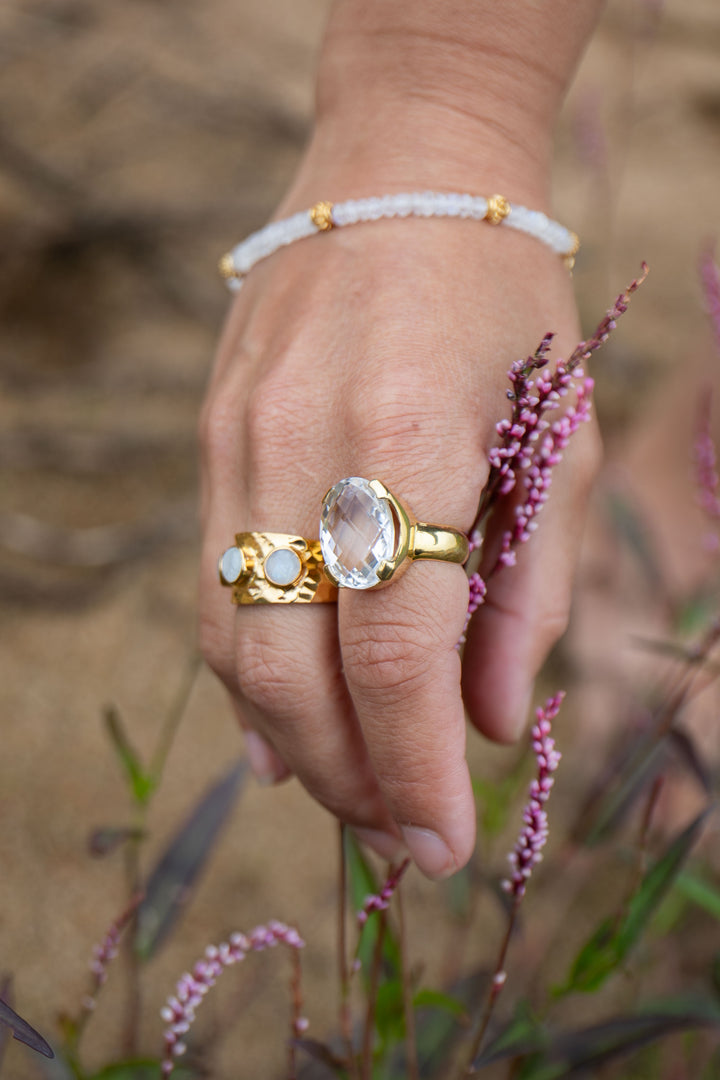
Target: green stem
413, 1072
367, 1050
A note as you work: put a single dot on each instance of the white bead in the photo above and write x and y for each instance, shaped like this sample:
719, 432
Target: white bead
278, 234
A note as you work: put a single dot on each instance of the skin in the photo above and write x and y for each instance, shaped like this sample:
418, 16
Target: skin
382, 350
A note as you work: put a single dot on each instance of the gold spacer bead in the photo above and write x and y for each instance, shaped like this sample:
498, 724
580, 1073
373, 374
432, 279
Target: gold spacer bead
321, 216
498, 208
226, 266
569, 256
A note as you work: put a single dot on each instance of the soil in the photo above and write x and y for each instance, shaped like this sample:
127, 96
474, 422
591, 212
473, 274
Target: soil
136, 141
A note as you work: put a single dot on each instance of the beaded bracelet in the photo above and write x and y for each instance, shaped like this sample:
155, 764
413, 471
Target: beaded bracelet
325, 216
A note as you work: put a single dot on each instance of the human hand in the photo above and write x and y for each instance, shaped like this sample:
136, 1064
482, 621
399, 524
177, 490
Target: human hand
381, 351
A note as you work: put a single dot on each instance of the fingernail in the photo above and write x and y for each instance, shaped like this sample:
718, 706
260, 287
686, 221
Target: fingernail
384, 844
429, 852
264, 762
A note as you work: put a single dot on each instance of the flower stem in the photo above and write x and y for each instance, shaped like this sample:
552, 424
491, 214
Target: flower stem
412, 1070
344, 977
494, 991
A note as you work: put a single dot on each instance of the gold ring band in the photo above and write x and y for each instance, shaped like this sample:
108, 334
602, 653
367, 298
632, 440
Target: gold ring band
368, 536
438, 542
275, 568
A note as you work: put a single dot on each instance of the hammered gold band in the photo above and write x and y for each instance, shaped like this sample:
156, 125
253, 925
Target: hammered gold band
275, 568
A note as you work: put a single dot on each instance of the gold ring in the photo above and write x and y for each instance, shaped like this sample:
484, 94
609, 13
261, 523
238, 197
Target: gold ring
275, 568
368, 536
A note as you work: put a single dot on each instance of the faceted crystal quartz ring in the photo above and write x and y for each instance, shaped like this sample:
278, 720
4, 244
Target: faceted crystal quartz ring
275, 568
368, 536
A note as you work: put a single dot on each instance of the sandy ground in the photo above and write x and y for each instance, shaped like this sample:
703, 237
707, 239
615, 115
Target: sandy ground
136, 141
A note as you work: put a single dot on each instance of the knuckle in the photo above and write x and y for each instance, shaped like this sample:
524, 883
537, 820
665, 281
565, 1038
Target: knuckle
386, 661
406, 789
266, 677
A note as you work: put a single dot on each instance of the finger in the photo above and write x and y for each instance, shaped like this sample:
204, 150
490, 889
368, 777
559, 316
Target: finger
282, 662
403, 671
528, 604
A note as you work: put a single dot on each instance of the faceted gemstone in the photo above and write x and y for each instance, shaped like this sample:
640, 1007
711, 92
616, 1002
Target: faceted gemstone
232, 565
357, 533
282, 566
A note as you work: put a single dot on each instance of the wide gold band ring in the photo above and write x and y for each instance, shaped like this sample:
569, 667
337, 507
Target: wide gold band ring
368, 536
275, 568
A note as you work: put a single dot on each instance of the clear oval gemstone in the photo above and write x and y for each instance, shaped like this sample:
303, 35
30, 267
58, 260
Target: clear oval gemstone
357, 533
232, 565
282, 566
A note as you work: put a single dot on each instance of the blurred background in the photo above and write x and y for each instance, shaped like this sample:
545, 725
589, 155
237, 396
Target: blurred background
137, 142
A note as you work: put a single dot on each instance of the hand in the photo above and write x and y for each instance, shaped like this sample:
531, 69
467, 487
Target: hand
381, 350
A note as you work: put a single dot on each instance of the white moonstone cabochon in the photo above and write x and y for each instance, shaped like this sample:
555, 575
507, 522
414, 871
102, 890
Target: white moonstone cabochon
282, 566
232, 565
357, 533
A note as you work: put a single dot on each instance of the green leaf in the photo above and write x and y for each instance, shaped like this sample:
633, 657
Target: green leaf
645, 759
436, 999
438, 1030
610, 944
597, 959
458, 891
389, 1014
525, 1034
655, 884
361, 884
698, 891
589, 1048
141, 784
550, 1056
170, 884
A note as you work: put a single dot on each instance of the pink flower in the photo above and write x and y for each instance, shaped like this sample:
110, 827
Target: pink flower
381, 901
527, 852
179, 1011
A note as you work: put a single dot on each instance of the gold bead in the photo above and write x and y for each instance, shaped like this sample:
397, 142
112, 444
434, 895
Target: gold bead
498, 208
321, 216
226, 266
569, 256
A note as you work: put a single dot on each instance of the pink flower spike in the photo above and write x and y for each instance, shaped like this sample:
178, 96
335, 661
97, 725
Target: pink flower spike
381, 901
527, 852
179, 1011
104, 953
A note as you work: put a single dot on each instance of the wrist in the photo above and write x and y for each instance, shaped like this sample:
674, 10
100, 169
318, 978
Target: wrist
448, 96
